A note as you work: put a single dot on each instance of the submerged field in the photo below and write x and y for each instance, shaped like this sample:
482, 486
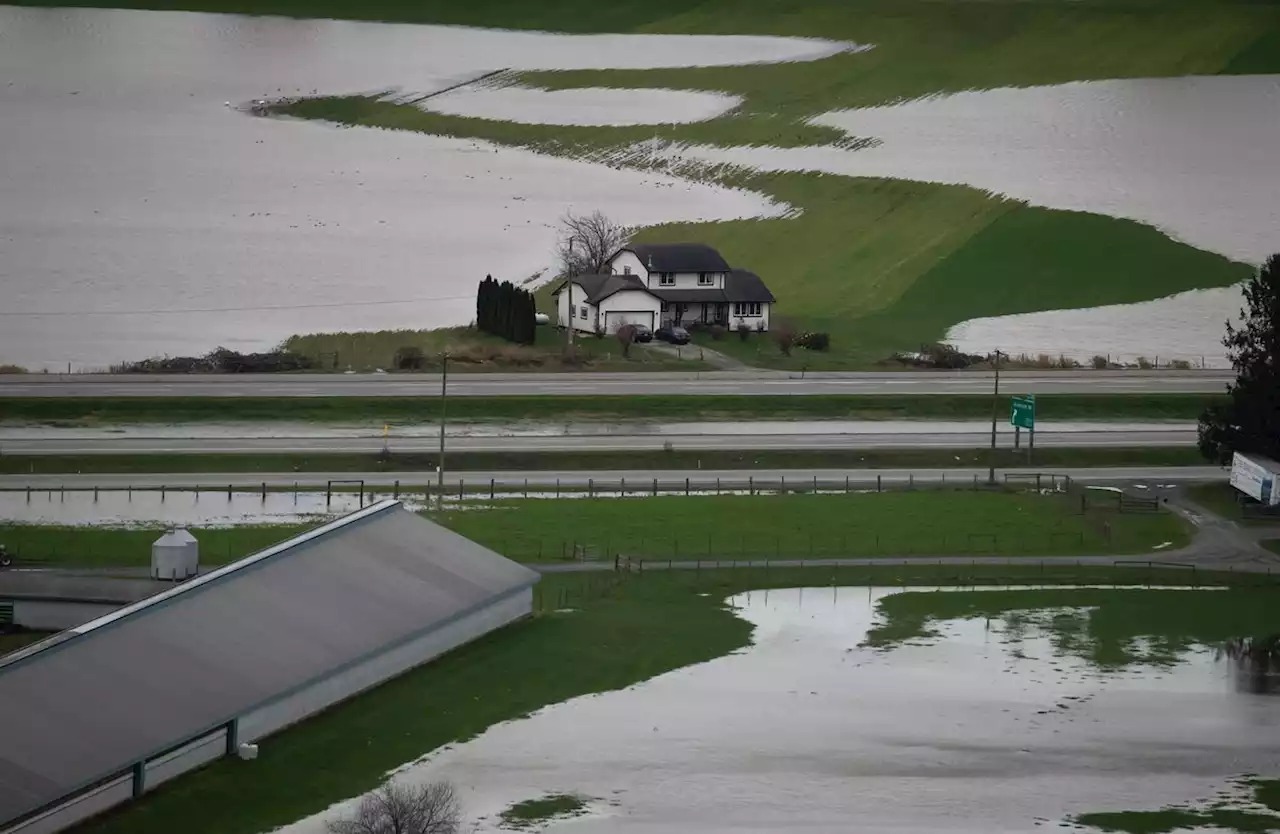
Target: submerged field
670, 620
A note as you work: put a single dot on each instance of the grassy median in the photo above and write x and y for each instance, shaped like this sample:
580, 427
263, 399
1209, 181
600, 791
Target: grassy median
795, 526
662, 621
91, 411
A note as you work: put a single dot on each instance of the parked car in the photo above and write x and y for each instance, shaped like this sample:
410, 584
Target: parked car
674, 333
643, 333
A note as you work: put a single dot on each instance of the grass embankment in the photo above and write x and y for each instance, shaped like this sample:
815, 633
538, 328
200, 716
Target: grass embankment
795, 526
1224, 500
618, 635
471, 350
11, 641
1221, 814
538, 812
89, 411
419, 468
108, 547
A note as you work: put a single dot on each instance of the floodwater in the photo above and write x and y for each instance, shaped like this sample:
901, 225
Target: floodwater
584, 106
1190, 156
804, 730
143, 216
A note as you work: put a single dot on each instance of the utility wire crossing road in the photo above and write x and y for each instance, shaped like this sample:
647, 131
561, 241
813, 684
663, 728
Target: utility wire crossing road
598, 384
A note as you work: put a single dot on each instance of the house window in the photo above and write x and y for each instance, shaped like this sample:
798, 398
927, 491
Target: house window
664, 306
582, 312
706, 279
626, 270
666, 279
746, 308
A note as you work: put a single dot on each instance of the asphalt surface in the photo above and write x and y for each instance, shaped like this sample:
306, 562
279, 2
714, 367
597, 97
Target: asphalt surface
637, 479
752, 382
809, 436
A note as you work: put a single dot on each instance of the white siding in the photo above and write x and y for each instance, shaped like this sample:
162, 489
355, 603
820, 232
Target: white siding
52, 615
750, 322
629, 306
687, 281
587, 325
627, 260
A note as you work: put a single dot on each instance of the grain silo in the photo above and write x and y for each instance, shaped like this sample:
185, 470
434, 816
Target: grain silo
175, 555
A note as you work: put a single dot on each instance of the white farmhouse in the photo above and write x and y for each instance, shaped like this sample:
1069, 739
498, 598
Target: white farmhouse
658, 284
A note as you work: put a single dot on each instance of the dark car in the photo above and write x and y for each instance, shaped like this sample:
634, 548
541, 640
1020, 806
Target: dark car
643, 333
674, 333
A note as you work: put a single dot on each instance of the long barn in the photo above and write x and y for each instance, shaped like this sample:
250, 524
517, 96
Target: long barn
104, 712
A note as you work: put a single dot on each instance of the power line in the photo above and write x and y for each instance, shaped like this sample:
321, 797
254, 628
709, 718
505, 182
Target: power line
255, 308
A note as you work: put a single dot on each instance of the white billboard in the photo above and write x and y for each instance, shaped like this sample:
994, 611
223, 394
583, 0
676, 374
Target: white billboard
1256, 477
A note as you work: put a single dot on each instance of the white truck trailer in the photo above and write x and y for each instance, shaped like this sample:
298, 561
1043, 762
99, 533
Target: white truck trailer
1257, 477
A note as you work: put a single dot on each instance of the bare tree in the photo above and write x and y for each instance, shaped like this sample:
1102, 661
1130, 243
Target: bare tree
784, 336
626, 335
401, 809
587, 241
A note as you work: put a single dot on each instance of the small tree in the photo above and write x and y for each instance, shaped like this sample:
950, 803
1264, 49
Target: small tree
409, 358
1250, 420
626, 336
784, 336
587, 241
401, 809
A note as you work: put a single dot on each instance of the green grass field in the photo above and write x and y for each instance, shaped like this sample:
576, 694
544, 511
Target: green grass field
422, 465
811, 526
108, 547
1224, 500
91, 411
794, 526
664, 621
14, 640
1215, 814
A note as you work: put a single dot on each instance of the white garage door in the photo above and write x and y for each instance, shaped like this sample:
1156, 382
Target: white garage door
616, 318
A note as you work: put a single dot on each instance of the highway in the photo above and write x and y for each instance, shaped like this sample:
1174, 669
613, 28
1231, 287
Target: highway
637, 479
777, 435
754, 382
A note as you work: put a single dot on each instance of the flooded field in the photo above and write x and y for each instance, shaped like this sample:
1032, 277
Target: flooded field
993, 726
585, 106
1187, 155
121, 241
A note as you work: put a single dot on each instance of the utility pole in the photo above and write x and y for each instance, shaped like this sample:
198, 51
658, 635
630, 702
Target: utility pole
995, 412
444, 390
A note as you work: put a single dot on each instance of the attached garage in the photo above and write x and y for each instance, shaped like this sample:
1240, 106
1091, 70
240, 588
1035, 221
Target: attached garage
613, 319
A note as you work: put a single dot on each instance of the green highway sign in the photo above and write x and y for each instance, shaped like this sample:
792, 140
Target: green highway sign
1023, 413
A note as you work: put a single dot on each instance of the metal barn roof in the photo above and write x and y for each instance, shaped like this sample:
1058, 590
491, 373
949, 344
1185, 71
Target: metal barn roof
177, 665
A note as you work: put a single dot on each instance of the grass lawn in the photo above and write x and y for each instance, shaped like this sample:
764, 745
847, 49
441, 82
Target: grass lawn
618, 635
470, 350
91, 411
1216, 813
795, 526
810, 526
106, 547
1271, 544
422, 465
1102, 627
1223, 499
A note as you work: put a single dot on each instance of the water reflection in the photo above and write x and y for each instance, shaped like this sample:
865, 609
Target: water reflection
1255, 661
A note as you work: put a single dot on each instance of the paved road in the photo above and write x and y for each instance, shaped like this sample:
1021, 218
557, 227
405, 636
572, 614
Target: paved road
810, 436
639, 478
718, 382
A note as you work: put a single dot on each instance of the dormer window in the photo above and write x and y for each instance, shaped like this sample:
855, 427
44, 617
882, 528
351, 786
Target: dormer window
626, 270
706, 279
667, 279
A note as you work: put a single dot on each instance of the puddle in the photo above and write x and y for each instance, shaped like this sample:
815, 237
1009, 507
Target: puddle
584, 106
804, 730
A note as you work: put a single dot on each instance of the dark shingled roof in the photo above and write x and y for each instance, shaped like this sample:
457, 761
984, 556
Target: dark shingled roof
741, 285
600, 287
124, 687
678, 257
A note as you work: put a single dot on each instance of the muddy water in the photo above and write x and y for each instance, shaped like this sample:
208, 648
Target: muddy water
141, 216
806, 731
